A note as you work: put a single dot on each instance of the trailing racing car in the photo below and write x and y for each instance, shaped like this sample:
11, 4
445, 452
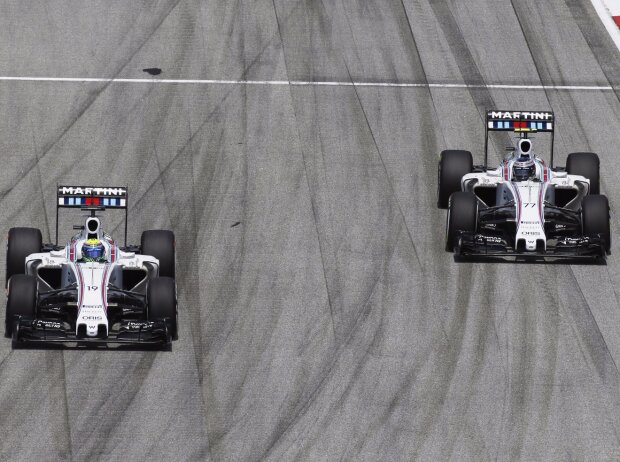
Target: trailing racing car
91, 291
524, 207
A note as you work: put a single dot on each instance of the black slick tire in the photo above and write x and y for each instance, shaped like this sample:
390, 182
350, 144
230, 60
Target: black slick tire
586, 164
161, 299
453, 165
21, 300
462, 216
160, 244
21, 243
595, 218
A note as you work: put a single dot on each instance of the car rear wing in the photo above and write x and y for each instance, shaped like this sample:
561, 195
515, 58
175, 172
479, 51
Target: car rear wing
522, 122
93, 199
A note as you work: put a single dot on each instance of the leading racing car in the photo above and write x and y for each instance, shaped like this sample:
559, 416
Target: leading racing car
91, 291
524, 207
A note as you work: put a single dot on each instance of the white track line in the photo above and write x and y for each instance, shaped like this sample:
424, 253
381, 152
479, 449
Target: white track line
605, 13
303, 83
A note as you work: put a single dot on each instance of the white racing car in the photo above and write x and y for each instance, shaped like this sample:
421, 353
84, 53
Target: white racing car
91, 291
524, 207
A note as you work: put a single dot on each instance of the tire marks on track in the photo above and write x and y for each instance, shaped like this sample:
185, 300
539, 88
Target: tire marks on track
93, 96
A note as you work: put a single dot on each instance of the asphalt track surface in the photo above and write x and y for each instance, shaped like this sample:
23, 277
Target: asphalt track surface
320, 318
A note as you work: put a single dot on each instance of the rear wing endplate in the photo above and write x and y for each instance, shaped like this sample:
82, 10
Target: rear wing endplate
91, 198
523, 122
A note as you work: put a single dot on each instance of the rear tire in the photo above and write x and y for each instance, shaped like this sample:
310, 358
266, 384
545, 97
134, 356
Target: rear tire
462, 216
161, 296
21, 243
21, 301
160, 244
595, 218
587, 165
453, 165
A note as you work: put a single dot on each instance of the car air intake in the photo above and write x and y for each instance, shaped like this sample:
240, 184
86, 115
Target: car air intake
92, 226
525, 146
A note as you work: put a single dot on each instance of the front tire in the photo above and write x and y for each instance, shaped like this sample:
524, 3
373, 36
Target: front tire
21, 243
160, 244
21, 300
586, 164
595, 218
453, 165
462, 216
161, 296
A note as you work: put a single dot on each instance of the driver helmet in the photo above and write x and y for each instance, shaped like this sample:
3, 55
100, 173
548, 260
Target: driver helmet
523, 168
93, 250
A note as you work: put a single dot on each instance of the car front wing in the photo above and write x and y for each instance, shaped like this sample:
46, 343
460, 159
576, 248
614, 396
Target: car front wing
28, 332
480, 245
